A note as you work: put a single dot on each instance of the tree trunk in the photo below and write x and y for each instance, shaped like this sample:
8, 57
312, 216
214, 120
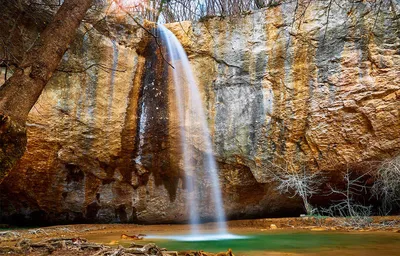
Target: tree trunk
22, 90
259, 3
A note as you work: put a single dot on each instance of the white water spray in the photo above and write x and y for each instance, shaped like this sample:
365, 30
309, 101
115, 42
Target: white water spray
193, 126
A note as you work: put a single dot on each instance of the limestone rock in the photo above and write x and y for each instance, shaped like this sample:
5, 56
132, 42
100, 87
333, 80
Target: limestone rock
273, 226
103, 144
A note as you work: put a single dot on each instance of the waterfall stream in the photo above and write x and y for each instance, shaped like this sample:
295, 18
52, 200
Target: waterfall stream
193, 128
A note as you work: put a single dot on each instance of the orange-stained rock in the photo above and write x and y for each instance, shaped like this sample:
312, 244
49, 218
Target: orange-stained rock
326, 99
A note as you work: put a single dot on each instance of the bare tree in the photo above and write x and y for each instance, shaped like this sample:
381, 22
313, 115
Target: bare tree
303, 183
21, 91
180, 10
387, 184
354, 213
31, 73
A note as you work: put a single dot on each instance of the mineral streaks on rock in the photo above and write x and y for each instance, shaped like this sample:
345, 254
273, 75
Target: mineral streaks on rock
309, 94
103, 145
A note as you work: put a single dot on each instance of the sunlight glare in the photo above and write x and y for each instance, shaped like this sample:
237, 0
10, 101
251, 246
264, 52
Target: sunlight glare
126, 4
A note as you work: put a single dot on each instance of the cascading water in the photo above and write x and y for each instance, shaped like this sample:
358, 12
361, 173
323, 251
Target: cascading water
193, 126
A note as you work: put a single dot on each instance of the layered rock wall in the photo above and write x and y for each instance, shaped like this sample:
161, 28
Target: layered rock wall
319, 90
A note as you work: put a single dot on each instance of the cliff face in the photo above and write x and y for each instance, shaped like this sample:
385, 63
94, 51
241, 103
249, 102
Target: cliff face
317, 91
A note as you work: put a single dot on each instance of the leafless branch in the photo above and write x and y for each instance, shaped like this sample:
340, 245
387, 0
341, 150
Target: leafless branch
387, 184
354, 214
101, 66
147, 31
303, 183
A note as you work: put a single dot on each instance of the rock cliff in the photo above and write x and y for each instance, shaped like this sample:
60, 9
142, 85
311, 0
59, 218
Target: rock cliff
316, 88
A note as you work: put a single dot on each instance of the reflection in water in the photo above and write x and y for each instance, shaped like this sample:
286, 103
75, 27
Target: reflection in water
299, 242
281, 242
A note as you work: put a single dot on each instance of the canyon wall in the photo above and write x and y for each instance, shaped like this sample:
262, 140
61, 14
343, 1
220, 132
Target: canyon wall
310, 87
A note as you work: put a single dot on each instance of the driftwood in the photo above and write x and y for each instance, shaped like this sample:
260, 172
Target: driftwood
201, 253
9, 234
10, 250
48, 246
146, 250
37, 231
81, 244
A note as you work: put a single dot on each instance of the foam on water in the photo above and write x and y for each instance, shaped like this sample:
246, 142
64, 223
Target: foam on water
199, 237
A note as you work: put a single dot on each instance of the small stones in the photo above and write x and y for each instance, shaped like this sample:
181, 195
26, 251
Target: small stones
273, 226
133, 237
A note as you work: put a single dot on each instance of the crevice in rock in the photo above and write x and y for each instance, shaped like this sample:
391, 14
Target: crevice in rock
220, 61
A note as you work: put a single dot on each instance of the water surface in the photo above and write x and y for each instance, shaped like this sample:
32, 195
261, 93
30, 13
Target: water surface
251, 242
299, 243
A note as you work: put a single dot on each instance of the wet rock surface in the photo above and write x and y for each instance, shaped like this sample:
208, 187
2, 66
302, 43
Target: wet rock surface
103, 144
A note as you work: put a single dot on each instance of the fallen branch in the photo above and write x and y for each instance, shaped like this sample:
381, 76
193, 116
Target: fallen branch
81, 244
37, 231
8, 234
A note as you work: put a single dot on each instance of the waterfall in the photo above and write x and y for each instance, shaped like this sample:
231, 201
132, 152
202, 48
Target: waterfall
193, 127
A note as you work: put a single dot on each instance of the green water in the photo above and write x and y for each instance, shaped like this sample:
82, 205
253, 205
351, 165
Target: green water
299, 242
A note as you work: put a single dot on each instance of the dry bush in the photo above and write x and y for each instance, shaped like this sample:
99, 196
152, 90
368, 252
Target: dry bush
353, 213
303, 183
387, 185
